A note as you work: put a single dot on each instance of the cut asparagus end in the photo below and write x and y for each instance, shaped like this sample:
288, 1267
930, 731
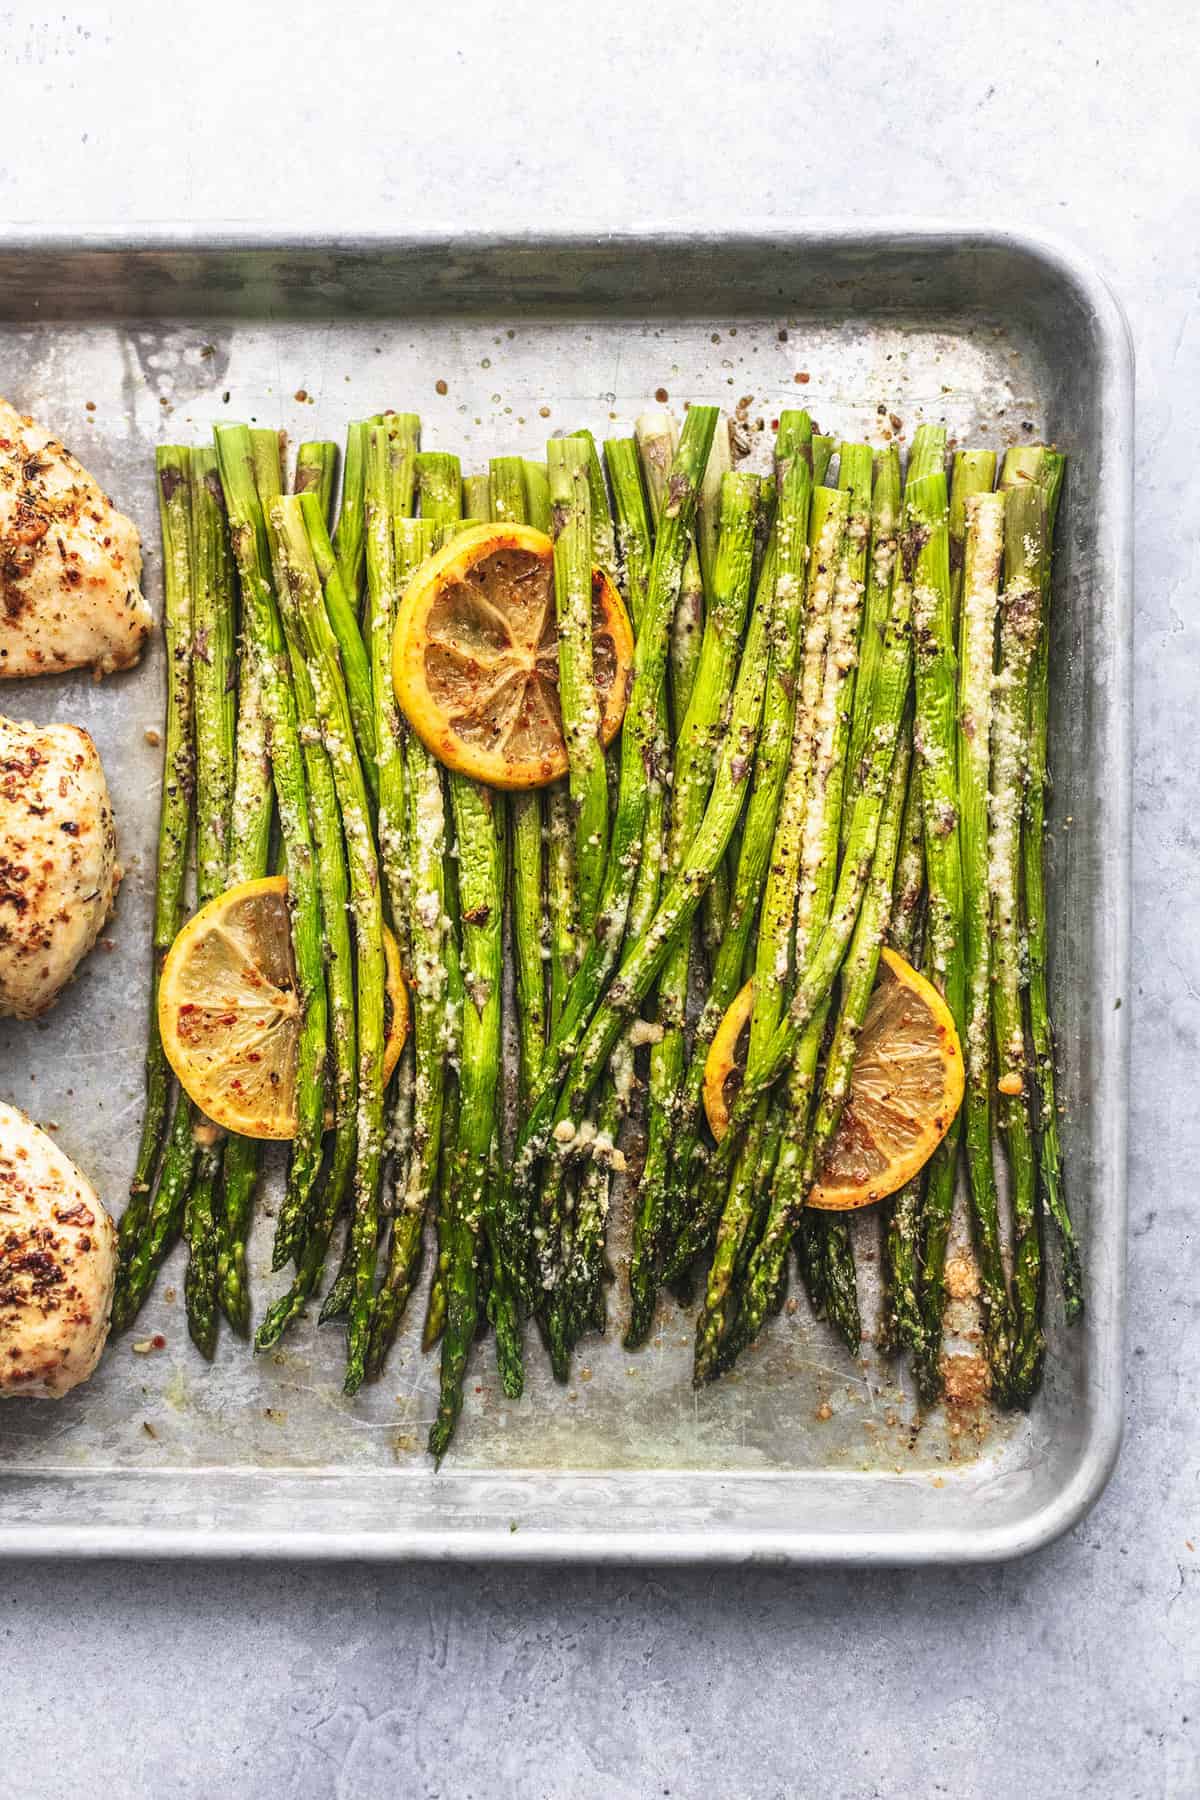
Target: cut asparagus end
316, 473
439, 487
537, 496
823, 447
928, 453
507, 498
657, 437
974, 472
708, 507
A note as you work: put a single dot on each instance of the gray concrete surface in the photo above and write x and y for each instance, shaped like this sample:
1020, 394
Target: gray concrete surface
1072, 1674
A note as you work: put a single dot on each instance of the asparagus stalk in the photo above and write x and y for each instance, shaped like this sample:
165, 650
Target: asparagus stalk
634, 530
476, 497
900, 1326
858, 978
348, 541
551, 1116
539, 511
1049, 469
393, 469
824, 1247
567, 1313
714, 913
389, 488
175, 1203
836, 1283
927, 456
341, 604
163, 1219
561, 893
657, 438
316, 473
604, 536
478, 819
567, 465
509, 501
305, 605
833, 1283
638, 510
214, 674
578, 1302
508, 504
264, 633
698, 740
333, 878
803, 863
885, 527
687, 636
434, 1030
172, 467
476, 822
435, 1317
528, 927
581, 1299
529, 930
1020, 626
411, 847
439, 488
705, 721
583, 1302
249, 853
638, 743
818, 973
214, 681
710, 507
825, 532
636, 523
861, 967
973, 472
266, 457
734, 951
803, 858
936, 731
905, 930
561, 899
902, 1323
506, 501
823, 448
983, 544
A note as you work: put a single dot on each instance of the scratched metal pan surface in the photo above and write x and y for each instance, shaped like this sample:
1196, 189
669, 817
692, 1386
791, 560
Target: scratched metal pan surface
122, 343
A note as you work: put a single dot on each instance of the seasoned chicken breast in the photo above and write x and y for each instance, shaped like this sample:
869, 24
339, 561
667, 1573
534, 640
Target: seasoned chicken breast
58, 860
70, 564
58, 1262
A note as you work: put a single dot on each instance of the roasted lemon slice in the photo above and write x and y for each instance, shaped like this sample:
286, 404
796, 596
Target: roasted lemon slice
907, 1087
475, 656
229, 1015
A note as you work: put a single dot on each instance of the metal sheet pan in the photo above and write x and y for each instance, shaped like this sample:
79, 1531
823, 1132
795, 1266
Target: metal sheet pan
122, 342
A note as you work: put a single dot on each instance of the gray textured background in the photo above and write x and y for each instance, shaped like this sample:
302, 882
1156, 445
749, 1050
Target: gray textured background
1073, 1673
